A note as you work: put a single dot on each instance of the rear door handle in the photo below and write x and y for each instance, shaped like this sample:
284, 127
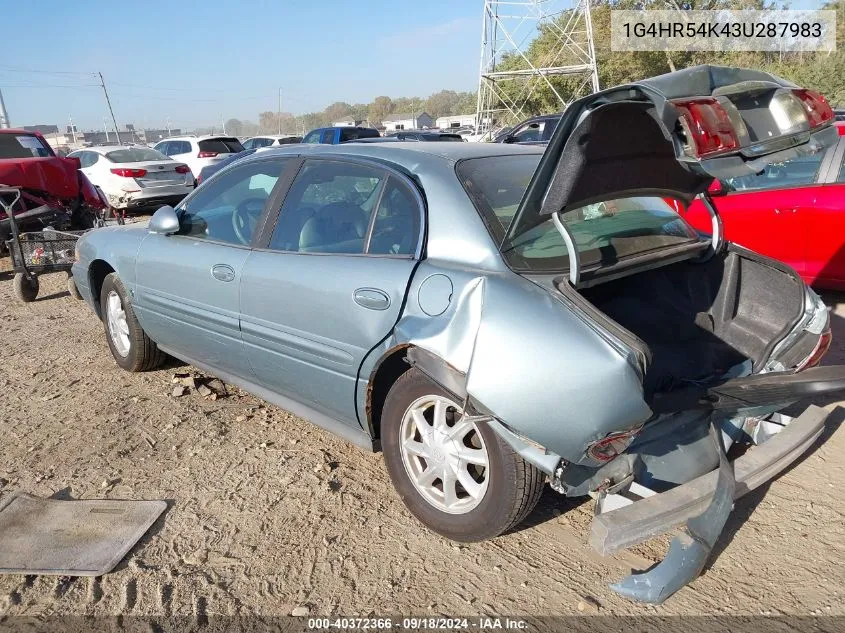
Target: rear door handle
371, 298
223, 272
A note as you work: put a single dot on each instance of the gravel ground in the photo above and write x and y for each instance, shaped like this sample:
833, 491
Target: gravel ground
268, 513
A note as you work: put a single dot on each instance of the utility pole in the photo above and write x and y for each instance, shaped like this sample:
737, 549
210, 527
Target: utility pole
279, 112
168, 127
106, 129
72, 128
222, 123
108, 102
4, 116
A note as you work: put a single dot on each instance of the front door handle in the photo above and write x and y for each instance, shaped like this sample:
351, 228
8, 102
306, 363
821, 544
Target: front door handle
223, 272
371, 298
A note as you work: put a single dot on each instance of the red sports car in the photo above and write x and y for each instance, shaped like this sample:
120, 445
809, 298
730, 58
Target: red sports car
793, 211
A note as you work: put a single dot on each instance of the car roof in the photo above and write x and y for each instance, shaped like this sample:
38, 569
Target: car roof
404, 153
191, 137
274, 136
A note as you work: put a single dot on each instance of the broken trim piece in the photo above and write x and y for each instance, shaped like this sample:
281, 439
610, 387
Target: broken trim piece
655, 515
689, 551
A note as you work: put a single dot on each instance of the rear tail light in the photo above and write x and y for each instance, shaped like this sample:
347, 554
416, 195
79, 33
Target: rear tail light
818, 352
707, 126
129, 173
207, 154
612, 446
816, 106
182, 169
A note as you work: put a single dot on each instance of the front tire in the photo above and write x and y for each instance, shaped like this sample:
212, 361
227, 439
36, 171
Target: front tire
132, 349
457, 477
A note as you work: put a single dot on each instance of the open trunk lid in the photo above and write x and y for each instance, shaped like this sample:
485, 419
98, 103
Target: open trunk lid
669, 136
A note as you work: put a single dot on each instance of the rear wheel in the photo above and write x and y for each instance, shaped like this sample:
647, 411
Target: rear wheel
132, 349
456, 476
26, 290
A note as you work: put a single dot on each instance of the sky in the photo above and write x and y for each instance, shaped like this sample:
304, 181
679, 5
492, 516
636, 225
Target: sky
194, 62
229, 58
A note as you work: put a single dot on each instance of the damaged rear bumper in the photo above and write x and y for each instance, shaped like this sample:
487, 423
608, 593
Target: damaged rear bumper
704, 504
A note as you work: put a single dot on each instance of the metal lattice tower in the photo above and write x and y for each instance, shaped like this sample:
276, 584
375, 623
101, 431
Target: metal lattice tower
508, 78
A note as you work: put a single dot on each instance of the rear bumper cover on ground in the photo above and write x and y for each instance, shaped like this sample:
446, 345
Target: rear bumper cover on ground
704, 504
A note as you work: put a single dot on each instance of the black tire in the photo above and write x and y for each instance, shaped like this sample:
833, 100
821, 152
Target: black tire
514, 485
26, 290
143, 353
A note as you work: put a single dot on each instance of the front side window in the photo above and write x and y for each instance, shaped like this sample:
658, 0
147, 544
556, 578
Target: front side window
227, 209
312, 137
164, 148
328, 208
604, 233
328, 137
789, 173
249, 143
529, 133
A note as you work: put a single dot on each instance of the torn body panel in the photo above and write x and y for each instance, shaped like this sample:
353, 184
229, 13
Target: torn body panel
574, 360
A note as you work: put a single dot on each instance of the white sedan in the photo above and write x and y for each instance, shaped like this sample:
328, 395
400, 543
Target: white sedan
133, 177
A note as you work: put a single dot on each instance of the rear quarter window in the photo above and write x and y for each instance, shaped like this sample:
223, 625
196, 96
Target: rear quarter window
23, 146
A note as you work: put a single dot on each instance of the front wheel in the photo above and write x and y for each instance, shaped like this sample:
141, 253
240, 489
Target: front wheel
455, 475
132, 349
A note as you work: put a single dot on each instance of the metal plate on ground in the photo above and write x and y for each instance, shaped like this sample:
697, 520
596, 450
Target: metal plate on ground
70, 538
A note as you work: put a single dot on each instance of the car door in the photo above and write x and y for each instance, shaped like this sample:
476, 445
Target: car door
769, 212
825, 226
329, 283
186, 294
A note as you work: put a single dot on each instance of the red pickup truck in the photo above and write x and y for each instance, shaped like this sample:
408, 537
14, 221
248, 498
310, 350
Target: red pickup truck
53, 190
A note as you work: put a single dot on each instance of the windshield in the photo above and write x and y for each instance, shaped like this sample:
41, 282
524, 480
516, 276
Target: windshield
603, 233
135, 155
22, 146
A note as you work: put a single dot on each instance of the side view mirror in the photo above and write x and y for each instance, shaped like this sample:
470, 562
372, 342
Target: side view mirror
509, 139
164, 221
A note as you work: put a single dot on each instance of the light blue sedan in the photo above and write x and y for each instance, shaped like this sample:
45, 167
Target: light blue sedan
493, 317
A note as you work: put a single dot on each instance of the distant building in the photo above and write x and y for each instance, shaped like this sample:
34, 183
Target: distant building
108, 137
154, 136
408, 122
456, 121
42, 129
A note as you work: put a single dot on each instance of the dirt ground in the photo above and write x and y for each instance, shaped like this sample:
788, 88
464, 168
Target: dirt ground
268, 513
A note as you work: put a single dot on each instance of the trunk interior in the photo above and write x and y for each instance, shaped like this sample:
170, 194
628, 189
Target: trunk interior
698, 320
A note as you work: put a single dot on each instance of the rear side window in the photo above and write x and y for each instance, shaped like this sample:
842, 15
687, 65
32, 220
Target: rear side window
164, 148
328, 208
261, 142
221, 145
789, 173
22, 146
352, 134
396, 223
328, 137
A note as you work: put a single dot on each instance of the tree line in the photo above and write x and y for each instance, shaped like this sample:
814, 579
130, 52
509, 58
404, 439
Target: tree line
820, 71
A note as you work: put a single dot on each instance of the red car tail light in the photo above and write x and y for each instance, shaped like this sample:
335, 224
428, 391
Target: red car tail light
612, 446
182, 169
818, 352
207, 154
707, 126
129, 173
816, 106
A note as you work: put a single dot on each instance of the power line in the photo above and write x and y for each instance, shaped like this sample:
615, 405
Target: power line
46, 72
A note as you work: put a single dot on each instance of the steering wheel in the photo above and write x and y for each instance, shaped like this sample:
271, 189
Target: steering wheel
245, 216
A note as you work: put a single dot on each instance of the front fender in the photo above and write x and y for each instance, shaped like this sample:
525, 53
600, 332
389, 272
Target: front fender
116, 246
